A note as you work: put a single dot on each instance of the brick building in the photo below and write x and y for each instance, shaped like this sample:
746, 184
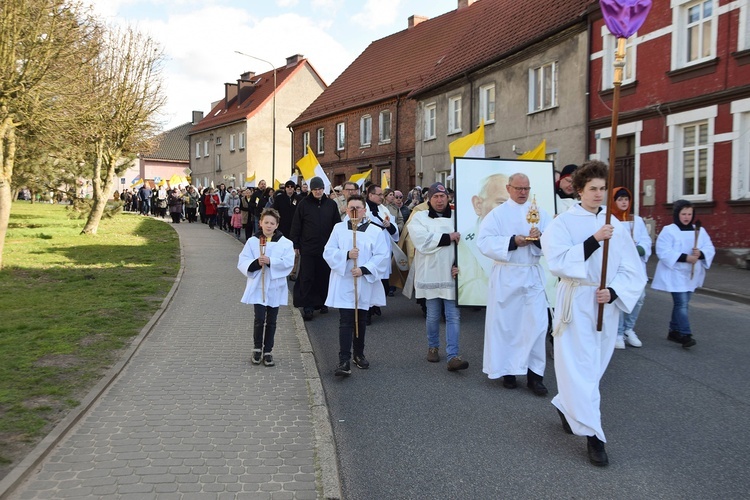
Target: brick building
684, 115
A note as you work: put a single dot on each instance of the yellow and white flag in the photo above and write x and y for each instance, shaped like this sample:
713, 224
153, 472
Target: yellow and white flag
360, 179
250, 181
538, 153
471, 146
309, 167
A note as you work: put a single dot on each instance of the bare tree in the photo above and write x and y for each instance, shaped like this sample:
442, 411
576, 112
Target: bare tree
44, 44
126, 83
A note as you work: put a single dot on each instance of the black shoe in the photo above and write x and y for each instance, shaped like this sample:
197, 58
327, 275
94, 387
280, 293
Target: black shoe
323, 309
307, 314
597, 455
256, 356
674, 336
361, 362
268, 359
368, 319
509, 382
688, 341
343, 370
565, 424
537, 387
534, 382
376, 310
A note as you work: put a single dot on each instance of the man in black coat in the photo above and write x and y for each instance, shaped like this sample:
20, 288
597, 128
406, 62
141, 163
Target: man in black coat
312, 224
286, 204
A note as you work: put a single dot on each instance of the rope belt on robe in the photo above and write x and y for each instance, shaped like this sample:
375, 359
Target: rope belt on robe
566, 307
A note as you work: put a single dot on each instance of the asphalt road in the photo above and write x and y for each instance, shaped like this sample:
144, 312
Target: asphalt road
676, 420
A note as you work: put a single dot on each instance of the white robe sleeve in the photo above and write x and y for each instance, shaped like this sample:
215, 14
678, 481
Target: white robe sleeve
642, 238
250, 252
336, 249
424, 241
668, 247
565, 259
629, 277
379, 260
281, 254
706, 246
494, 237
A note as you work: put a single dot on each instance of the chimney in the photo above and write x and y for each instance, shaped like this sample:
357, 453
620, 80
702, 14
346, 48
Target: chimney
230, 92
465, 3
197, 116
247, 75
415, 19
293, 60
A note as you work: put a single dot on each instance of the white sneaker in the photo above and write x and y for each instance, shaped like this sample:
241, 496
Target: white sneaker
620, 343
632, 338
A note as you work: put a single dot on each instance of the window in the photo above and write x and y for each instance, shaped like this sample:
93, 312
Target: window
454, 115
198, 149
365, 130
242, 141
384, 127
741, 150
628, 72
218, 141
218, 163
487, 103
340, 136
232, 142
305, 141
543, 87
694, 159
429, 121
690, 159
321, 140
205, 147
694, 38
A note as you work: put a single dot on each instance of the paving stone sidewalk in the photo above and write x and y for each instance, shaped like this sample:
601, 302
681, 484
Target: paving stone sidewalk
189, 417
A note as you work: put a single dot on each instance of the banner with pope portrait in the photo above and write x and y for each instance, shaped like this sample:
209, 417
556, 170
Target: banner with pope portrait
481, 185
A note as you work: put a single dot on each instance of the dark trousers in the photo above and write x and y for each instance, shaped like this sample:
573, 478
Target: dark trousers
311, 286
222, 217
264, 315
190, 214
176, 217
249, 228
347, 338
211, 220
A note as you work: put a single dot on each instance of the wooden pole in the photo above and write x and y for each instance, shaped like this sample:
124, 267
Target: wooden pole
262, 246
355, 222
619, 64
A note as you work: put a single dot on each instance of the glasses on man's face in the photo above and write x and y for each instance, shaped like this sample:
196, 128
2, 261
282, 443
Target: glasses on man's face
521, 189
399, 197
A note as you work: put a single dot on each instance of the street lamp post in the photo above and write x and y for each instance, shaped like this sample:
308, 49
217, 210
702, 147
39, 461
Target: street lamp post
273, 153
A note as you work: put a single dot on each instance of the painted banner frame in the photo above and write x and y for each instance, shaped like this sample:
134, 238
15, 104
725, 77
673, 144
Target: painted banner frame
480, 186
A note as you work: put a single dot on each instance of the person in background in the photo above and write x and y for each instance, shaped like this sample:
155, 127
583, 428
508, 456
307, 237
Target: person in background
247, 207
211, 201
565, 193
266, 288
190, 200
682, 267
398, 200
286, 204
389, 202
174, 201
236, 222
232, 201
621, 206
435, 272
222, 212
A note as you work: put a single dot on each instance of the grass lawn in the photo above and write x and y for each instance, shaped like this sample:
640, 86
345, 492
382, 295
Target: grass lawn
69, 304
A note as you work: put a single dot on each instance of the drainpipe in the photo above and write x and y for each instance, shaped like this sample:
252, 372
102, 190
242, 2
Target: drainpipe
395, 148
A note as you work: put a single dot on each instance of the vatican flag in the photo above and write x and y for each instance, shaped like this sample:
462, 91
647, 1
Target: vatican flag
471, 146
309, 167
538, 153
360, 179
250, 181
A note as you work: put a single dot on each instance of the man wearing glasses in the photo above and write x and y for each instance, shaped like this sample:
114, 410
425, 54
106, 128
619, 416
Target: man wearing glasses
312, 223
516, 320
565, 194
350, 188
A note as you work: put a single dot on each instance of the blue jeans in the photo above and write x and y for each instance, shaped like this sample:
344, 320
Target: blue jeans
627, 321
680, 322
452, 325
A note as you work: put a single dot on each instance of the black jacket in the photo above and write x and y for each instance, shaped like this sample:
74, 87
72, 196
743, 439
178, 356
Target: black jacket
312, 224
286, 206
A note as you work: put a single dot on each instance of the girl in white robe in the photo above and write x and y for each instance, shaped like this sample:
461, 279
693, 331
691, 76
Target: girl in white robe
682, 267
266, 286
572, 244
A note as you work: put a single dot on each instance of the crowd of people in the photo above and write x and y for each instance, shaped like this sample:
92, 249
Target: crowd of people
341, 249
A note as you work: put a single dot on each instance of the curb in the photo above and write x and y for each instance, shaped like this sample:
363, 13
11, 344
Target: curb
734, 297
26, 467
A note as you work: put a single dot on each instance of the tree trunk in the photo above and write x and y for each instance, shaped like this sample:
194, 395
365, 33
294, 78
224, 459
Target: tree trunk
7, 158
101, 188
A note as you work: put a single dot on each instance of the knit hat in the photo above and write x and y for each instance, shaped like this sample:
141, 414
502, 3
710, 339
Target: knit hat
316, 183
290, 184
568, 170
436, 188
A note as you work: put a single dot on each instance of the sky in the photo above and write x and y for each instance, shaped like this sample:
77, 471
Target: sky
200, 37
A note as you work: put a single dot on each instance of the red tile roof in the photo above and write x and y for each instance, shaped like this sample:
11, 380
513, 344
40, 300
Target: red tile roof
253, 98
437, 50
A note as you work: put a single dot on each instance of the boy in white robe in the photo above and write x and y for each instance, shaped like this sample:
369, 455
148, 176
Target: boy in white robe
572, 244
266, 285
516, 320
370, 255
